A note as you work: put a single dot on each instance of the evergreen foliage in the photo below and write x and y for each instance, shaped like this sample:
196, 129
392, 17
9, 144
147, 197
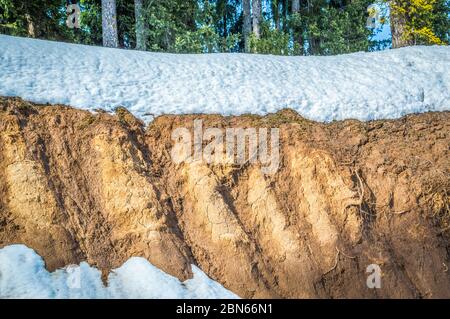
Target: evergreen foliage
318, 27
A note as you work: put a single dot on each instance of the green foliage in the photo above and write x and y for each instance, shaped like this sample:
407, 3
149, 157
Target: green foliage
425, 21
165, 20
39, 18
441, 20
91, 23
328, 28
207, 38
272, 41
321, 27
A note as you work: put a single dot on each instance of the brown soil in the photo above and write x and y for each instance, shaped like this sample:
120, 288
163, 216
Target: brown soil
79, 186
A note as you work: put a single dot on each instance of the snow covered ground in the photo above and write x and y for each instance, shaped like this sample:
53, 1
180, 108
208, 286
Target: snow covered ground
364, 86
22, 275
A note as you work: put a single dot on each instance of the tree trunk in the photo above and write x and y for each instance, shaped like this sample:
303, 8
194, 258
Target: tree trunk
276, 13
247, 28
398, 28
257, 14
285, 14
313, 41
298, 36
295, 6
225, 24
140, 26
30, 29
109, 24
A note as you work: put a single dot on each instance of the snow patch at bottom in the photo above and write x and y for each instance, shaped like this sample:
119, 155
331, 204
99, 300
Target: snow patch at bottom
23, 275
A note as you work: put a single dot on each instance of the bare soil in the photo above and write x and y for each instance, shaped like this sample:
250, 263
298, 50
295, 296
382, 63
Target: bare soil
101, 188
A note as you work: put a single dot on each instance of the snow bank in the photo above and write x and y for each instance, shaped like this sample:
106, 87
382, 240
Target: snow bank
364, 86
22, 275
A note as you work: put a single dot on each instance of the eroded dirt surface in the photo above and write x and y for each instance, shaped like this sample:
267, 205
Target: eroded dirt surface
102, 188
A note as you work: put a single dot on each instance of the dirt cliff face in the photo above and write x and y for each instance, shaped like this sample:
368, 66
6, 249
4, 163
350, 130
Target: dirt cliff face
102, 188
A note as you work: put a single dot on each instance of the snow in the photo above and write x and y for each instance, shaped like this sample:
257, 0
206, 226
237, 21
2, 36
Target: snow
23, 275
364, 86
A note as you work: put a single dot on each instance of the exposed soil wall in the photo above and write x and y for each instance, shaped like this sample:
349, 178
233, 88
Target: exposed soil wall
79, 186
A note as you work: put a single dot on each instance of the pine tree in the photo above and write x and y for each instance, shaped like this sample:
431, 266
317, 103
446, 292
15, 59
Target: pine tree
295, 23
419, 22
247, 24
36, 19
141, 43
398, 25
256, 17
295, 6
276, 13
306, 27
109, 24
